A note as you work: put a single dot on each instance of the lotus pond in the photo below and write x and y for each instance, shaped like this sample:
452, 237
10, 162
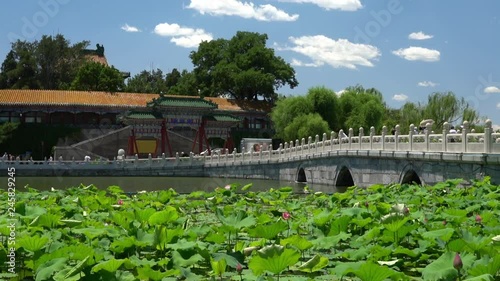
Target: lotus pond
384, 232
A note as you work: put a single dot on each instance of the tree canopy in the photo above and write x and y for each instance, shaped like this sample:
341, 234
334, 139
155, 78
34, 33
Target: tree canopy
94, 76
50, 63
242, 67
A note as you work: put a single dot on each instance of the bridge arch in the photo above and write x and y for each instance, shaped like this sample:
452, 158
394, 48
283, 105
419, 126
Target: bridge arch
344, 179
409, 176
301, 175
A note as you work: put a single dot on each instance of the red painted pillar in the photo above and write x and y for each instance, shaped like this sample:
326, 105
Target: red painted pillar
201, 133
165, 139
163, 133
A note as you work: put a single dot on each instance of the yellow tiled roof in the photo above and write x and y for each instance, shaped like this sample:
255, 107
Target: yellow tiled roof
132, 100
81, 98
96, 58
240, 105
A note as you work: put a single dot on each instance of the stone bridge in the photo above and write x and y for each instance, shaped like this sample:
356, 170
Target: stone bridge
359, 160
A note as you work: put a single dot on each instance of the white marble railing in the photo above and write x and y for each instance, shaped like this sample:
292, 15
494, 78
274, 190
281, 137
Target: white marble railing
464, 142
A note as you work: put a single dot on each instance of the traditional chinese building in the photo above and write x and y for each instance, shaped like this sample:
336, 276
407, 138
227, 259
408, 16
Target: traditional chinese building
142, 124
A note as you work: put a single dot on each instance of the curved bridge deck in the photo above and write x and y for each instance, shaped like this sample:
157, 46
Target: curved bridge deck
354, 160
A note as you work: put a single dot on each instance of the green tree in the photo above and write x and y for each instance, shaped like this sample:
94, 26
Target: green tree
94, 76
185, 86
242, 67
9, 65
19, 69
361, 108
326, 103
50, 63
173, 78
446, 107
6, 131
147, 82
410, 113
58, 61
286, 110
306, 125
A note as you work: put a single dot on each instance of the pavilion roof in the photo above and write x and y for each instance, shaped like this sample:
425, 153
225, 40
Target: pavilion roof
223, 118
184, 102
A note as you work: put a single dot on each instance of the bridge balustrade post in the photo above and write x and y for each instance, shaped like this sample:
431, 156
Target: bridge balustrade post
150, 160
177, 160
397, 132
446, 129
234, 155
332, 137
372, 134
316, 141
260, 153
488, 140
361, 135
297, 146
303, 144
136, 160
410, 134
351, 134
341, 133
384, 133
323, 143
465, 131
309, 144
428, 130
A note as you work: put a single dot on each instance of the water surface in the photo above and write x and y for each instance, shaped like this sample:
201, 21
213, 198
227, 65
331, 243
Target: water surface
180, 184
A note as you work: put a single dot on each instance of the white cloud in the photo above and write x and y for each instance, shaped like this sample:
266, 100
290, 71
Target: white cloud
337, 53
296, 62
418, 53
427, 84
242, 9
492, 90
400, 97
419, 36
498, 105
344, 5
495, 127
129, 28
182, 36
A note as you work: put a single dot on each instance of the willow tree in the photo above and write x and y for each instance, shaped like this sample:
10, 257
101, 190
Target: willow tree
326, 103
446, 107
360, 107
286, 110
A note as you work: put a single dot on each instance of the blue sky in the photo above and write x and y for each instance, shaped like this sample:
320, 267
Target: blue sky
407, 49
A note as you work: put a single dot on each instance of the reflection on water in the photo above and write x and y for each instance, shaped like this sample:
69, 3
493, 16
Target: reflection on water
179, 184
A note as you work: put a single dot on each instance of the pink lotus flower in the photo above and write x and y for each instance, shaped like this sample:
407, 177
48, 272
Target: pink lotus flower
120, 202
406, 210
457, 262
239, 268
286, 215
227, 187
444, 222
479, 219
